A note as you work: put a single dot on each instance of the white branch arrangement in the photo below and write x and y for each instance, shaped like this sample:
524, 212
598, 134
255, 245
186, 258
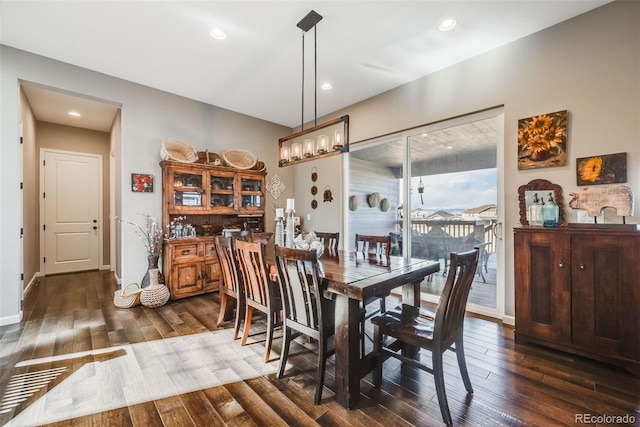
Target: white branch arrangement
151, 237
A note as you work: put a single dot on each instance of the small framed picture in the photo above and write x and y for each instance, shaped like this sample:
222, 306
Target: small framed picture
605, 169
141, 183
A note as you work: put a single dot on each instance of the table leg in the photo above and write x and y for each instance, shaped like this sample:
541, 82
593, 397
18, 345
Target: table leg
411, 296
347, 340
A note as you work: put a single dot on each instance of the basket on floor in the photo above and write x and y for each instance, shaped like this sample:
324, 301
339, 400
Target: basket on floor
178, 151
239, 159
154, 296
127, 297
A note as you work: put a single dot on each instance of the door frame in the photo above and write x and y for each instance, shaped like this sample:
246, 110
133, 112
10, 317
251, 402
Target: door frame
498, 113
41, 154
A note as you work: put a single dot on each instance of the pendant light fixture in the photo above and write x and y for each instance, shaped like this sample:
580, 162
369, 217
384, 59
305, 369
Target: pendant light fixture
333, 136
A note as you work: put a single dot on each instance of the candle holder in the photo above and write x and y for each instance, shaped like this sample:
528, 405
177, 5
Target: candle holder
279, 237
290, 230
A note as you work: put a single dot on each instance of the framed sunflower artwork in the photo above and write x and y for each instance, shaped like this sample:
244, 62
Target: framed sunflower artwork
542, 140
606, 169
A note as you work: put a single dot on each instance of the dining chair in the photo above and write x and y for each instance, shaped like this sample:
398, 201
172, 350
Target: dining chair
329, 240
437, 333
231, 287
371, 246
259, 291
306, 310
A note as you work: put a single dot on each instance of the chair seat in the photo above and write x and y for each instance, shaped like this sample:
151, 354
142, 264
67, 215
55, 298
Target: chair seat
408, 324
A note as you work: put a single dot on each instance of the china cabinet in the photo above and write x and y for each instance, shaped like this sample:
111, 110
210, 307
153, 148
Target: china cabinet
207, 199
577, 290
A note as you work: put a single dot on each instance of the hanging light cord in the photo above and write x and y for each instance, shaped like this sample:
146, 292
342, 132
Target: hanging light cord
302, 113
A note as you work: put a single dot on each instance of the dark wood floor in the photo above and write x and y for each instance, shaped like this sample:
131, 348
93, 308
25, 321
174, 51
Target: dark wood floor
77, 360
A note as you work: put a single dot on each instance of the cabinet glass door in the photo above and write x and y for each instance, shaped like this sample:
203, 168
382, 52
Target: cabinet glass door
187, 189
251, 194
221, 189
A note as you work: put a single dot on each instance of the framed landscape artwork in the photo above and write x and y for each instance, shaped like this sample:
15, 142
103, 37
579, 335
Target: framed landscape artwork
606, 169
542, 141
141, 183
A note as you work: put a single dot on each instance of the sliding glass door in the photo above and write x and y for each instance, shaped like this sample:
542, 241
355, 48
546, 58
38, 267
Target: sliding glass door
441, 183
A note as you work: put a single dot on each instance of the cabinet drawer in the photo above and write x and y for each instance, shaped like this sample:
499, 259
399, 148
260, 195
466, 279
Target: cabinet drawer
210, 250
185, 252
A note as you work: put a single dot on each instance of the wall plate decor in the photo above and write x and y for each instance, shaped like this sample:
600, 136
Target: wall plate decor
354, 203
607, 169
542, 140
373, 199
141, 183
384, 205
314, 189
275, 186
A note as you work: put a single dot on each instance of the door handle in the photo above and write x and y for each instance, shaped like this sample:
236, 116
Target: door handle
95, 227
495, 230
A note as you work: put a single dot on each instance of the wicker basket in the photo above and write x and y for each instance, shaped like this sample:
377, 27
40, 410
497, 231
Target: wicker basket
239, 159
207, 158
178, 151
127, 297
154, 296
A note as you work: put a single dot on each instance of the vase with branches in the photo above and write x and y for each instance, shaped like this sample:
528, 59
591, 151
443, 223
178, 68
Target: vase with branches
151, 235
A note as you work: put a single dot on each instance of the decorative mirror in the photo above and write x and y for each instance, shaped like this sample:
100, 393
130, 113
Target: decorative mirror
542, 188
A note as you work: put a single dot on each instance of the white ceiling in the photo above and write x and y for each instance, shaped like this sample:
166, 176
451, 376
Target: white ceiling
363, 47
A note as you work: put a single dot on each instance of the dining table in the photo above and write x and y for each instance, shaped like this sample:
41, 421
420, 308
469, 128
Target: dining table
352, 278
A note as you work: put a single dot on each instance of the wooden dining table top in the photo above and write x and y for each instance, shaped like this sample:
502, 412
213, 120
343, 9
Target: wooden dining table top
360, 277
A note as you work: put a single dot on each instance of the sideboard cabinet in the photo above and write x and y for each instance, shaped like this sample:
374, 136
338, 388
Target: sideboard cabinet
577, 289
210, 198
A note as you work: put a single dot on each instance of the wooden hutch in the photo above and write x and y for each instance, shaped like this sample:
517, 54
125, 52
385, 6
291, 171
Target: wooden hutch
210, 198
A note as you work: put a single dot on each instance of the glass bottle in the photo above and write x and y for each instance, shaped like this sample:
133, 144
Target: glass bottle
550, 213
535, 212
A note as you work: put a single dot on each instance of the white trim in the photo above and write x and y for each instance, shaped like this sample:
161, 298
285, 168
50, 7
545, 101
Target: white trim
33, 282
498, 113
11, 320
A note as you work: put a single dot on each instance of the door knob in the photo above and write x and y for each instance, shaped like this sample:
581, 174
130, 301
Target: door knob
560, 264
582, 267
95, 220
95, 228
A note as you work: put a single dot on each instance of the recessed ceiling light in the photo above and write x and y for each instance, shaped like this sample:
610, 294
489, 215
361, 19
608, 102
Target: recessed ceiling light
74, 113
326, 86
447, 24
449, 147
217, 33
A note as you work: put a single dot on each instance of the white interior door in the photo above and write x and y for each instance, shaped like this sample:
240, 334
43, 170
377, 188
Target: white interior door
71, 195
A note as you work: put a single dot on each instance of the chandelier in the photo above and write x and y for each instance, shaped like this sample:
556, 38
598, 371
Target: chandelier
327, 139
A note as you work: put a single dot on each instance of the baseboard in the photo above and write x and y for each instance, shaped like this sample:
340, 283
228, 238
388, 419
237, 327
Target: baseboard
35, 280
105, 267
10, 320
118, 280
509, 320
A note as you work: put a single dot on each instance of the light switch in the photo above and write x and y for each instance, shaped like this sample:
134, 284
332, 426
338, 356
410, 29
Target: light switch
308, 217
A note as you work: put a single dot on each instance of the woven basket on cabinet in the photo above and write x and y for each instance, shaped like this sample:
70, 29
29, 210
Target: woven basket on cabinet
179, 151
239, 159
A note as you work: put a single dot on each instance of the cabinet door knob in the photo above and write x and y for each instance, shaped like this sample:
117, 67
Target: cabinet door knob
560, 264
582, 266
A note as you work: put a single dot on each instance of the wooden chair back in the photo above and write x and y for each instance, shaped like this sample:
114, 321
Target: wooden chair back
373, 245
299, 280
329, 240
449, 318
251, 260
305, 309
225, 249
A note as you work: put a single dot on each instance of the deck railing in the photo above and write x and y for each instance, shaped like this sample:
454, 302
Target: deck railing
482, 230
